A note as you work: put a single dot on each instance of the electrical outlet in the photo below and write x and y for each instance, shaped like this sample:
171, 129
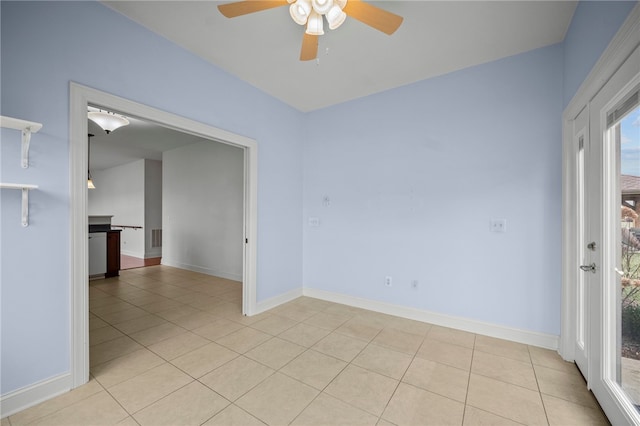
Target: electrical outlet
498, 225
414, 284
388, 281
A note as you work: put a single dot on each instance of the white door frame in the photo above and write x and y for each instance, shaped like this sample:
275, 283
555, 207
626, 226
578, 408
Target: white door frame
80, 98
603, 362
600, 374
579, 228
623, 44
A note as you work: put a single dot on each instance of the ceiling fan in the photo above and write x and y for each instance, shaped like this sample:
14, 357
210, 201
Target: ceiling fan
311, 12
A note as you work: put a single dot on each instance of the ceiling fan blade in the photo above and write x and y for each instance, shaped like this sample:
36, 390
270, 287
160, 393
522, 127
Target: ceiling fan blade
239, 8
309, 49
373, 16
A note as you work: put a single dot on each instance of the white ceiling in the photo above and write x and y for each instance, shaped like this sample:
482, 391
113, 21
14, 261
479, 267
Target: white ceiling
262, 49
436, 37
140, 139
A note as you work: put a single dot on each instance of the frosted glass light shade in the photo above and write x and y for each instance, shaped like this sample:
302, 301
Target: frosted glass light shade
300, 11
322, 6
335, 17
107, 121
314, 24
90, 184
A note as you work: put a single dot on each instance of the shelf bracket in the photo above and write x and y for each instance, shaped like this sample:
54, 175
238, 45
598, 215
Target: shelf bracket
27, 128
25, 188
26, 140
25, 207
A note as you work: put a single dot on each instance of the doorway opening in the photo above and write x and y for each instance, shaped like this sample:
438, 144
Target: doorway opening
150, 181
80, 98
602, 168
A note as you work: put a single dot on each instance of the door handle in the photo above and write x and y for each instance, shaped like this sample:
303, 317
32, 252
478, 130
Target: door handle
589, 268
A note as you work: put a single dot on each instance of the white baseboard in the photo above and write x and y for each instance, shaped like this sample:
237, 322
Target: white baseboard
272, 302
153, 253
138, 254
533, 338
208, 271
29, 396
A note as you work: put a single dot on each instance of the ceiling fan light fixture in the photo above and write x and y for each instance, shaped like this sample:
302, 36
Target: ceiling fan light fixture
108, 121
300, 11
312, 12
322, 6
315, 24
335, 17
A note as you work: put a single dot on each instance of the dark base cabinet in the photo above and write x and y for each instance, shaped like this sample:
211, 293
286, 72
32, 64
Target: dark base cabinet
113, 254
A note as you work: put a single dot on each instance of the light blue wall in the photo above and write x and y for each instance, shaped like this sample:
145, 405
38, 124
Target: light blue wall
415, 175
593, 26
45, 45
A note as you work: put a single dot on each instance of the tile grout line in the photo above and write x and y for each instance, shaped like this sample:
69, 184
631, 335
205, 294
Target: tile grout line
347, 364
154, 313
402, 377
166, 362
466, 394
331, 381
170, 393
535, 374
272, 374
279, 371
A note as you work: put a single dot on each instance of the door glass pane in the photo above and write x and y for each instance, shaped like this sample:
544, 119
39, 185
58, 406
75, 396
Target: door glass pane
580, 311
626, 132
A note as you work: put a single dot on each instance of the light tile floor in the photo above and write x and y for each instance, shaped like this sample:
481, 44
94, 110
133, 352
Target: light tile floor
171, 347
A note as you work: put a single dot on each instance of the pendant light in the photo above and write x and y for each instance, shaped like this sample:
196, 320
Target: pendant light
90, 184
108, 121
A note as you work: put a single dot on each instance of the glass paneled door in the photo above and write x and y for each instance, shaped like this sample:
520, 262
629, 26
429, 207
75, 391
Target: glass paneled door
582, 281
612, 251
625, 132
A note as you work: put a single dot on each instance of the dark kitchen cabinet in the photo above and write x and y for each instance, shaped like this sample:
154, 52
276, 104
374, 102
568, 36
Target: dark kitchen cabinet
113, 254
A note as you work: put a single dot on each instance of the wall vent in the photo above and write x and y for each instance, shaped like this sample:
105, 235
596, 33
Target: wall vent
156, 238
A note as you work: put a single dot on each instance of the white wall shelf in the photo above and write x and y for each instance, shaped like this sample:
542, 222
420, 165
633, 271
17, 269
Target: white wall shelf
27, 128
25, 188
